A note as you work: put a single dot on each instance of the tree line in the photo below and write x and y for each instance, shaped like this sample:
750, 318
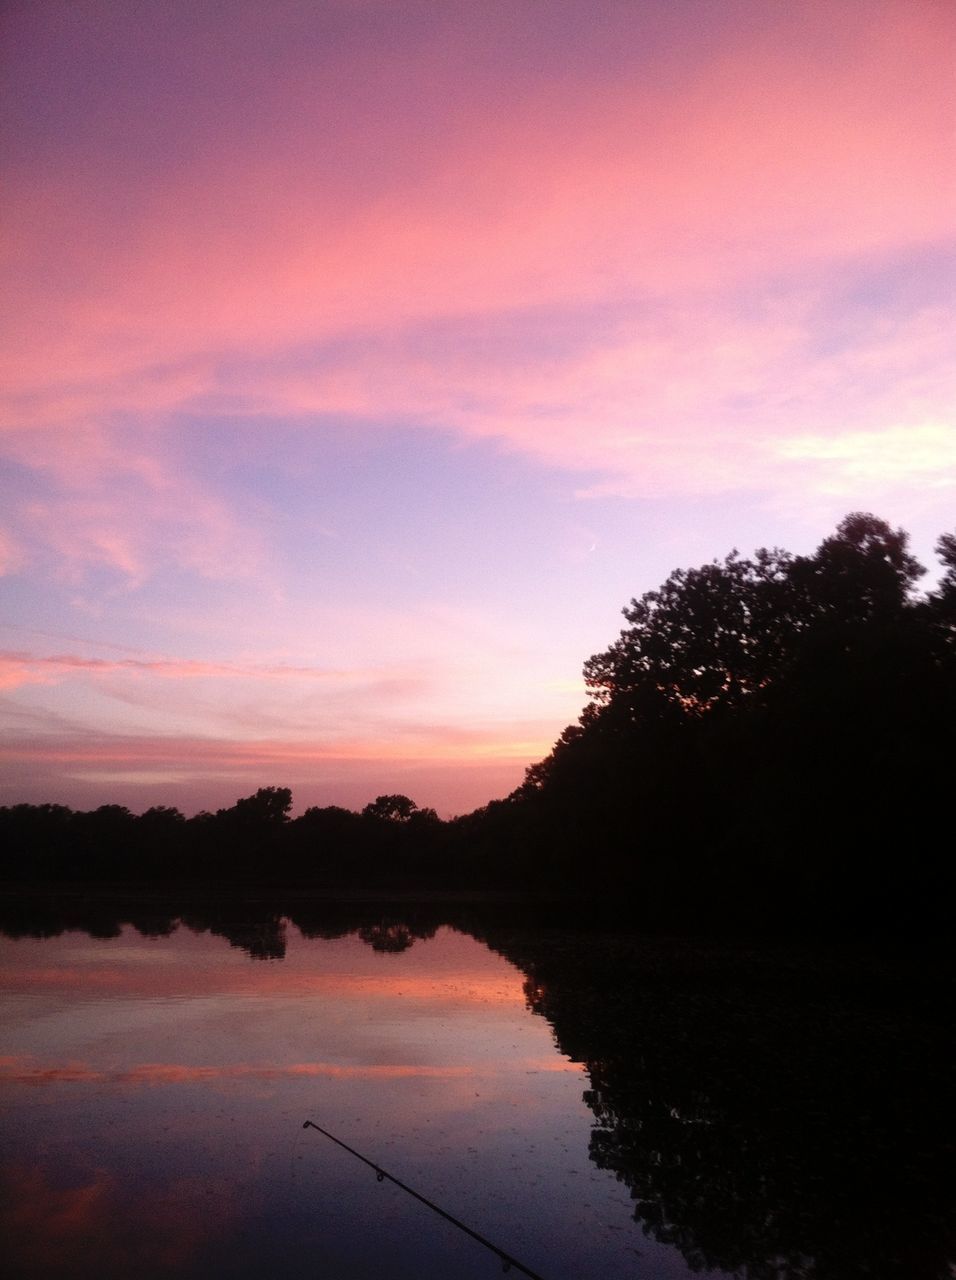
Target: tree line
770, 740
256, 838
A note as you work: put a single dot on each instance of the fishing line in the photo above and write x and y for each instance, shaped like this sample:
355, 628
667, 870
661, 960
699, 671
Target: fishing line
507, 1262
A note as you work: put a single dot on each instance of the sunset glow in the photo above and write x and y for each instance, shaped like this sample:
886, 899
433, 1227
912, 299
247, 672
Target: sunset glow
362, 360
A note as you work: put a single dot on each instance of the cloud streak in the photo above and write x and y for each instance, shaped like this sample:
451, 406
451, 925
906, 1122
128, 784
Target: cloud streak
23, 667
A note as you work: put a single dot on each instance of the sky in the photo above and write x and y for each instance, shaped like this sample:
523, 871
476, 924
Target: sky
363, 358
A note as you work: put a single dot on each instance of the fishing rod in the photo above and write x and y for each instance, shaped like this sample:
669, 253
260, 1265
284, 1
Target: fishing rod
507, 1262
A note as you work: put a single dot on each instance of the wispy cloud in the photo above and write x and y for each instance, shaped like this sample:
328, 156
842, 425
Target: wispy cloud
117, 497
24, 667
756, 168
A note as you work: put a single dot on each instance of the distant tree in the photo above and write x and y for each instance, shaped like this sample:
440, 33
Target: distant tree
161, 816
331, 819
269, 806
325, 841
392, 808
33, 839
101, 841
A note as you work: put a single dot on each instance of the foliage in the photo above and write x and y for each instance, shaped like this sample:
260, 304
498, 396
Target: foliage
269, 806
395, 808
764, 739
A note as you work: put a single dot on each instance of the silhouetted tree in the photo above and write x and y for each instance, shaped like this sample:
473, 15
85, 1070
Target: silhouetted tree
942, 603
396, 808
757, 737
269, 805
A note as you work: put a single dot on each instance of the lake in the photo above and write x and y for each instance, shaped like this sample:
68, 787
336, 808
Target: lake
595, 1104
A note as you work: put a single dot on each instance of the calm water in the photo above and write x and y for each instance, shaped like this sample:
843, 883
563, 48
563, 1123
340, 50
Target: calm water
154, 1088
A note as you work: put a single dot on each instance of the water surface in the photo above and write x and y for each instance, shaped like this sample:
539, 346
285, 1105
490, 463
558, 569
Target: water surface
154, 1091
597, 1104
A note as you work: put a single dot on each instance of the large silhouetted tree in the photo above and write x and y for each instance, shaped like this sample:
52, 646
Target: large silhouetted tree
766, 734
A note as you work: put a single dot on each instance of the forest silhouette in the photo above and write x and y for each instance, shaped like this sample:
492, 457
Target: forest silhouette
769, 743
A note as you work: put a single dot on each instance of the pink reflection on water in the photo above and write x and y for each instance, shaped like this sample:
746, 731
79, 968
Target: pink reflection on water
54, 1229
156, 1086
26, 1071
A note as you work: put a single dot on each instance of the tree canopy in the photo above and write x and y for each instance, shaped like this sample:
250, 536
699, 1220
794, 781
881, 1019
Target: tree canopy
773, 727
719, 635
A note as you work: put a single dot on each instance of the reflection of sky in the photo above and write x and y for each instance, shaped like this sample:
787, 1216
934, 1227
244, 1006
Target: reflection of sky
155, 1090
377, 355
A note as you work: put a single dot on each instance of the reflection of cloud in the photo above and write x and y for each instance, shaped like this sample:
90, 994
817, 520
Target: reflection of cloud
163, 980
23, 1071
103, 1227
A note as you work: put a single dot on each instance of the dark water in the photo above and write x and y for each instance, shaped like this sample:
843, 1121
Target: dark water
596, 1104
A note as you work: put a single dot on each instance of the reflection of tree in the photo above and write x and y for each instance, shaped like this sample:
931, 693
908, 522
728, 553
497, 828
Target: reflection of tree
775, 1116
257, 924
387, 936
256, 928
262, 939
392, 935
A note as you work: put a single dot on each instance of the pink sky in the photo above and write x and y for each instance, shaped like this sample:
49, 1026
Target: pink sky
362, 360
